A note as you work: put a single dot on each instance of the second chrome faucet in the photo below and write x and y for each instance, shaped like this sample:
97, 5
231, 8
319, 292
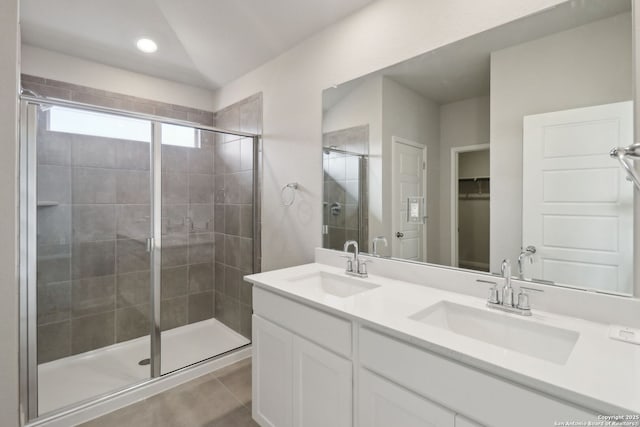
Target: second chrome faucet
506, 301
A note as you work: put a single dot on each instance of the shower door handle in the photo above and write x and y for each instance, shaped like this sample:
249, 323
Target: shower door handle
150, 244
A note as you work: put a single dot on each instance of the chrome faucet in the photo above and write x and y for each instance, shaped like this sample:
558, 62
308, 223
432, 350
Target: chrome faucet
375, 244
526, 253
507, 303
355, 266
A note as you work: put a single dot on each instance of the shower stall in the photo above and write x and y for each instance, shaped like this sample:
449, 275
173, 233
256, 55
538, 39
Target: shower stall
345, 212
345, 201
134, 228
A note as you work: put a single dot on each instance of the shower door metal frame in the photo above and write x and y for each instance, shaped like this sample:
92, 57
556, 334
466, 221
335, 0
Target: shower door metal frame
28, 360
28, 246
154, 246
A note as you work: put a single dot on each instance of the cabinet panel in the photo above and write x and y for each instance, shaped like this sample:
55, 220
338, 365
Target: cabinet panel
322, 387
272, 374
383, 403
462, 388
322, 328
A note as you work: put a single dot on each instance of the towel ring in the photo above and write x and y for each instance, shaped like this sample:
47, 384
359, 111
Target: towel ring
288, 193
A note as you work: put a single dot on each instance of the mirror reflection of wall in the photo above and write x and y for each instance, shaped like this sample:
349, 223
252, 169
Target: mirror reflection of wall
451, 126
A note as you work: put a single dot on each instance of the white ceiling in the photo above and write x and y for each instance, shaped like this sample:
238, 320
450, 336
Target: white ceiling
461, 70
205, 43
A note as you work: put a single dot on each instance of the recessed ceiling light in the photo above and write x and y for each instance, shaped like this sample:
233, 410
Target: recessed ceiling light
147, 45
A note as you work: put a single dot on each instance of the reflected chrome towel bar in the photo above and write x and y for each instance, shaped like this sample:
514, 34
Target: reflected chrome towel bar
625, 156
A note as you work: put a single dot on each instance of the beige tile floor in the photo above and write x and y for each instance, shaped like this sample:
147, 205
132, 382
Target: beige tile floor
219, 399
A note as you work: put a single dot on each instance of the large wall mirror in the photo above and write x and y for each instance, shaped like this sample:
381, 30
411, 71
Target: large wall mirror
496, 146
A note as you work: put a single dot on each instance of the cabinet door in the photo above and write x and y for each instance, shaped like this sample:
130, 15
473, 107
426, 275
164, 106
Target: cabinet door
465, 422
383, 403
272, 374
322, 387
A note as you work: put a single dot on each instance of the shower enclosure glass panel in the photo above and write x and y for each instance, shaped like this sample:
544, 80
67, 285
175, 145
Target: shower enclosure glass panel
344, 199
192, 328
93, 269
135, 236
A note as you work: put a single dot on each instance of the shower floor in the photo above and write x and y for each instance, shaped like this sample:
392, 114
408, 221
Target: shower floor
73, 379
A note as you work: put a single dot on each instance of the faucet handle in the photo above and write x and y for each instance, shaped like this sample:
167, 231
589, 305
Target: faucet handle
362, 266
493, 295
349, 262
523, 300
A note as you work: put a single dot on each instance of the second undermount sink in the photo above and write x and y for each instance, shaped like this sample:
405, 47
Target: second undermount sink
507, 331
323, 283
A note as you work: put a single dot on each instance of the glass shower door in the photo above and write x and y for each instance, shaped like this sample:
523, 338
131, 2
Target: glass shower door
92, 220
201, 282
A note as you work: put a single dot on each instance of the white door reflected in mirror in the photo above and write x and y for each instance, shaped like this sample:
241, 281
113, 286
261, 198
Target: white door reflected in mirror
577, 207
467, 102
409, 179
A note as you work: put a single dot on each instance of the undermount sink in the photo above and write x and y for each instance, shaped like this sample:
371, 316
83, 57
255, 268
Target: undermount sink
325, 283
503, 330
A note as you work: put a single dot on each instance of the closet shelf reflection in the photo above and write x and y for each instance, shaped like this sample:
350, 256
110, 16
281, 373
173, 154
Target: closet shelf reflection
472, 196
473, 178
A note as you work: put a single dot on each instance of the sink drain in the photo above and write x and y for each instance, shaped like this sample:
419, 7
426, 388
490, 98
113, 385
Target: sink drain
144, 362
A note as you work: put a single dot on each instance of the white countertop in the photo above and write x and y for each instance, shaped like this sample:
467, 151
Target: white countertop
600, 374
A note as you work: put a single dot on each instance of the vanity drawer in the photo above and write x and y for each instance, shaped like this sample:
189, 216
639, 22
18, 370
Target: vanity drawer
467, 391
325, 329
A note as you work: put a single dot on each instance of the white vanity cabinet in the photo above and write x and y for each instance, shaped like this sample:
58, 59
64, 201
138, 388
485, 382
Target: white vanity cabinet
272, 372
297, 382
382, 403
305, 361
322, 387
464, 390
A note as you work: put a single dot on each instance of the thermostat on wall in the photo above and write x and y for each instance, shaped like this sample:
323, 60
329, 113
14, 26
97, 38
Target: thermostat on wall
622, 333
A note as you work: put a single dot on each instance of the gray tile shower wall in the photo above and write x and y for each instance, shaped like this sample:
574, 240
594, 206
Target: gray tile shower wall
188, 254
233, 212
93, 269
68, 91
345, 195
